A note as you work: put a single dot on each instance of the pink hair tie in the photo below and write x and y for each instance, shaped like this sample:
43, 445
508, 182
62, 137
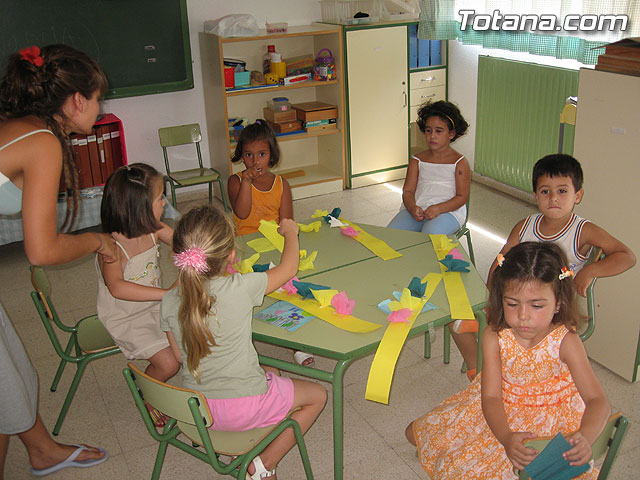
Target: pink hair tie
192, 257
499, 260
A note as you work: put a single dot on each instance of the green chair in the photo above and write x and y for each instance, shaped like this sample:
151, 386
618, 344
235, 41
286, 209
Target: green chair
185, 135
595, 256
189, 414
88, 339
606, 444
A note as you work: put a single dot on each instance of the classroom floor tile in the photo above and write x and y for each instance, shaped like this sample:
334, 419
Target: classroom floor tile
103, 412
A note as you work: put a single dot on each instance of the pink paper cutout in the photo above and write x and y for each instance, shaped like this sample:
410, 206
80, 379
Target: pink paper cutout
289, 287
230, 269
400, 316
455, 253
342, 304
349, 231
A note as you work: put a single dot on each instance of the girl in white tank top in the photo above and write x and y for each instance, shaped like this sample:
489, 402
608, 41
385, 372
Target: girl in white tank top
436, 188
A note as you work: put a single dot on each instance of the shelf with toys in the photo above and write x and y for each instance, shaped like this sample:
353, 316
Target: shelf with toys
314, 161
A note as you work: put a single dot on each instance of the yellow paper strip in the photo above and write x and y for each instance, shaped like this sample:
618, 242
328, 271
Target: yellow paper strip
328, 314
270, 230
433, 280
261, 245
377, 246
456, 292
384, 363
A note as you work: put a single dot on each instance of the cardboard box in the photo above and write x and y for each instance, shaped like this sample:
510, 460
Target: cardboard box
285, 127
311, 111
279, 117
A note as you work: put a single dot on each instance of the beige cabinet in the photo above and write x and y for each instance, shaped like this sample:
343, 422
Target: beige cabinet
378, 103
607, 142
313, 163
425, 86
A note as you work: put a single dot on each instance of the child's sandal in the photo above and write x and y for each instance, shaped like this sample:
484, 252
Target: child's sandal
261, 472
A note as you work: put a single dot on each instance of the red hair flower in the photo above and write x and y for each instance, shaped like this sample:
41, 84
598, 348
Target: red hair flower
32, 55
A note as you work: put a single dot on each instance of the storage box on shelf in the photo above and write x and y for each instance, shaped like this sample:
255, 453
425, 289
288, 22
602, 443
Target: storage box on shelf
313, 161
98, 154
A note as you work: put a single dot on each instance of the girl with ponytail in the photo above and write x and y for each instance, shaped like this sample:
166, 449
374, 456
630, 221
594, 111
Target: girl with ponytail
208, 323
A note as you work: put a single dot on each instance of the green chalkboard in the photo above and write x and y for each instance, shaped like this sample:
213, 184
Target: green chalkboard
143, 45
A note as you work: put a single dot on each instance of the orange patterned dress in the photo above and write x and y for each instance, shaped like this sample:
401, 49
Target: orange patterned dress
539, 396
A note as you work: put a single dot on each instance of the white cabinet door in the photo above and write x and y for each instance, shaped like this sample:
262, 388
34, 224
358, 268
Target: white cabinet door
377, 98
607, 141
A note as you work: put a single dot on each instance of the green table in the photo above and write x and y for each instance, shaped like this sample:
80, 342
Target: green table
344, 264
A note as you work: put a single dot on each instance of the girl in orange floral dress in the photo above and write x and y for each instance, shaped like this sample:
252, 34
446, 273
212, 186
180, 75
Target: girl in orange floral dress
536, 379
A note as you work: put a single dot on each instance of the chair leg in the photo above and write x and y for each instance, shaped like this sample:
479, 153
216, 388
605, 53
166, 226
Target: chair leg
446, 357
224, 200
173, 195
210, 192
157, 467
63, 363
302, 447
471, 255
69, 398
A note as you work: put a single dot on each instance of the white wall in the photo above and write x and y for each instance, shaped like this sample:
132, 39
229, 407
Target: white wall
142, 116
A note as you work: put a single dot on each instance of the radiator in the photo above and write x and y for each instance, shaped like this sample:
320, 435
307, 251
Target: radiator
518, 117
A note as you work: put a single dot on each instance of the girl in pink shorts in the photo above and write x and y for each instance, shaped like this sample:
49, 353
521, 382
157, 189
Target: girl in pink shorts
208, 324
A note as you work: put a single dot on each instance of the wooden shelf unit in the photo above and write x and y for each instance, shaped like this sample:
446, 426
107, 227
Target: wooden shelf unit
318, 159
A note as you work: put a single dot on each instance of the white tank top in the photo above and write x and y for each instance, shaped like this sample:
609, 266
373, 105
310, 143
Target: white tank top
10, 195
437, 184
568, 238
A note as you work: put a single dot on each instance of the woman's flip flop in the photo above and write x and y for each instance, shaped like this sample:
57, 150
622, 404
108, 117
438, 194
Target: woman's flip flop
71, 461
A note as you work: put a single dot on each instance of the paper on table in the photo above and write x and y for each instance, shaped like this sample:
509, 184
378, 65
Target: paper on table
305, 288
455, 264
329, 315
453, 285
246, 265
310, 227
342, 303
261, 245
270, 230
384, 362
307, 262
377, 246
323, 296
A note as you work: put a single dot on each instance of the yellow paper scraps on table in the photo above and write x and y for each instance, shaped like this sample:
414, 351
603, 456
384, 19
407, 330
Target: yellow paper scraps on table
377, 246
329, 315
307, 262
384, 363
324, 296
320, 213
456, 292
310, 227
303, 253
261, 245
270, 230
246, 265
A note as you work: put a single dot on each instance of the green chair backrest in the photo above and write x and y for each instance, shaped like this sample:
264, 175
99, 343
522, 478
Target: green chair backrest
170, 400
40, 281
179, 135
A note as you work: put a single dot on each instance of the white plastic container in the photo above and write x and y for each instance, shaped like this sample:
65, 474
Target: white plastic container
343, 11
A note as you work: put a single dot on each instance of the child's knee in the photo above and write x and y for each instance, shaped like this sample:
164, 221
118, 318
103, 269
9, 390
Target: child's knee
408, 432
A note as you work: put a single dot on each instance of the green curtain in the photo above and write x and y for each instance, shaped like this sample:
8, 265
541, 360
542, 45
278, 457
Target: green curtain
439, 20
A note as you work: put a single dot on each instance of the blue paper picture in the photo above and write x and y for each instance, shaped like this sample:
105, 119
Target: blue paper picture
549, 464
284, 315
